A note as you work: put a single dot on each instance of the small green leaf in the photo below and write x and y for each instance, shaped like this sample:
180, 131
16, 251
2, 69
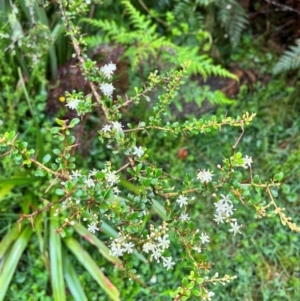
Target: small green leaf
274, 193
74, 122
185, 281
46, 159
256, 179
278, 177
57, 151
59, 121
191, 285
59, 192
55, 130
40, 173
195, 292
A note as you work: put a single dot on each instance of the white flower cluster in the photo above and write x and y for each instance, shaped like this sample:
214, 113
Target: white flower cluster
115, 125
224, 211
108, 70
121, 245
73, 104
155, 244
110, 179
107, 89
205, 176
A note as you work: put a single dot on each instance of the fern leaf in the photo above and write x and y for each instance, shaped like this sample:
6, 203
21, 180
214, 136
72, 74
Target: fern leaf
138, 20
290, 60
201, 64
233, 19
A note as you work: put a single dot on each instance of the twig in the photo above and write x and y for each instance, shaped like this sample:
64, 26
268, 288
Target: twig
82, 62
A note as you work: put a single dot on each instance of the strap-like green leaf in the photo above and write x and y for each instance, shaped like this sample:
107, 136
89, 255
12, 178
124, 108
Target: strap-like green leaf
72, 280
103, 249
11, 260
8, 239
56, 262
87, 261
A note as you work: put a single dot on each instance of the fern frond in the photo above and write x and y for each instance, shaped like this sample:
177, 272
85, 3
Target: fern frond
201, 64
110, 27
138, 20
233, 19
290, 60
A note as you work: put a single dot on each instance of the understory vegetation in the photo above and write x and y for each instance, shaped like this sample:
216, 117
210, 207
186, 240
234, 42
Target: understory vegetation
149, 150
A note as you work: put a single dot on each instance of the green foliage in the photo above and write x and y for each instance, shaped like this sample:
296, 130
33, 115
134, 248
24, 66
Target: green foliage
290, 60
145, 43
232, 18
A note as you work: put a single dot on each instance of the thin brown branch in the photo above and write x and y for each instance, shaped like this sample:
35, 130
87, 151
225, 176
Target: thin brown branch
82, 62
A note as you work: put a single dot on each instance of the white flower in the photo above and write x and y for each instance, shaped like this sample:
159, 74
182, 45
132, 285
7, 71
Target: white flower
108, 70
182, 200
106, 128
229, 210
156, 254
107, 89
128, 247
234, 228
204, 238
168, 263
224, 207
75, 174
116, 190
148, 246
163, 242
138, 151
184, 217
117, 126
89, 183
112, 178
225, 199
92, 227
247, 161
73, 104
205, 176
197, 249
209, 295
219, 218
93, 172
116, 250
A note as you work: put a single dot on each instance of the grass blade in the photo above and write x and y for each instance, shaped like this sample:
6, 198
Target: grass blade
8, 239
103, 249
72, 280
11, 260
56, 262
86, 260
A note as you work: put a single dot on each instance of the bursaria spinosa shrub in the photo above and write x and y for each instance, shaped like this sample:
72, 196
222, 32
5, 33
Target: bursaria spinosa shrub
96, 196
